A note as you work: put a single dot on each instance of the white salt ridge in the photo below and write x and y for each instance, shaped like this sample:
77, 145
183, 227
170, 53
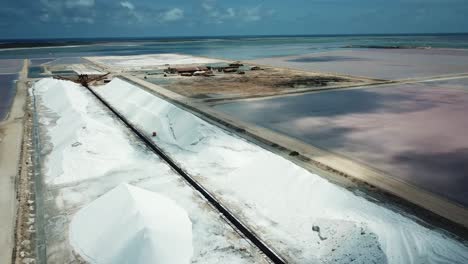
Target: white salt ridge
87, 151
93, 152
151, 60
132, 225
279, 198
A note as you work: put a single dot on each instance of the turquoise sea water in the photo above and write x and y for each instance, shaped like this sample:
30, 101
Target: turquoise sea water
237, 47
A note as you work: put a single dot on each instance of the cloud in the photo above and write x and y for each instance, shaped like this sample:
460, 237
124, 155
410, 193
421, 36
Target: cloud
172, 15
231, 12
215, 13
79, 3
129, 10
136, 17
208, 5
143, 14
44, 17
86, 20
127, 5
67, 11
252, 14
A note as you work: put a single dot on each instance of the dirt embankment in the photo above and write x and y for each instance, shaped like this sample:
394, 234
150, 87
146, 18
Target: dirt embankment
25, 247
266, 81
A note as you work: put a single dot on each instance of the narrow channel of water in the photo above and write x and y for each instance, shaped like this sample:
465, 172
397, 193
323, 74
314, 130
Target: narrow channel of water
7, 93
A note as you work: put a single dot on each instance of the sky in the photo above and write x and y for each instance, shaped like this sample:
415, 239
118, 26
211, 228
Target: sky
162, 18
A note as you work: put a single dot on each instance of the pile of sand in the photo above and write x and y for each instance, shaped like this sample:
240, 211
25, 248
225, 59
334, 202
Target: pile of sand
132, 225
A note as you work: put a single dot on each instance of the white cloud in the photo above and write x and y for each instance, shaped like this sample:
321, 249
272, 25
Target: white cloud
231, 12
172, 15
215, 13
68, 11
44, 17
127, 5
79, 3
252, 14
208, 5
86, 20
218, 15
132, 12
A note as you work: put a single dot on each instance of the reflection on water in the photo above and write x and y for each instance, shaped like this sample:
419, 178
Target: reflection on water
67, 60
7, 92
414, 132
10, 66
38, 62
35, 71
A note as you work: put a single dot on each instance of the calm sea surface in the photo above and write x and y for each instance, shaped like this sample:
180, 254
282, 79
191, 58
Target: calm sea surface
241, 48
237, 48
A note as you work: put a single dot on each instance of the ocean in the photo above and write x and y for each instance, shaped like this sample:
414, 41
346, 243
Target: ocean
235, 48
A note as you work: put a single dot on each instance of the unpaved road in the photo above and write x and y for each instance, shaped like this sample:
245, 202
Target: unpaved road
11, 134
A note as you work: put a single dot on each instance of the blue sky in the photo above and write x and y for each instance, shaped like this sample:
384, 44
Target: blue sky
135, 18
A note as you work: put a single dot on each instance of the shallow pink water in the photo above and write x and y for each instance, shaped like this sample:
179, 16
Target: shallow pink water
379, 63
416, 132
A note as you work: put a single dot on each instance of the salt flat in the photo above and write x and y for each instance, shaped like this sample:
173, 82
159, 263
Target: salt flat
283, 202
387, 64
149, 61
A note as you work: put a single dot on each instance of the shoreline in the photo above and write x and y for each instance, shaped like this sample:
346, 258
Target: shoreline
11, 133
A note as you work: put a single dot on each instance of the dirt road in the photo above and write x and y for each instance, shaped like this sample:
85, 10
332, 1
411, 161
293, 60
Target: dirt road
11, 134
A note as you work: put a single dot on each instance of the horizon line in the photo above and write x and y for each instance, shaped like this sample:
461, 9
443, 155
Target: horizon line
227, 36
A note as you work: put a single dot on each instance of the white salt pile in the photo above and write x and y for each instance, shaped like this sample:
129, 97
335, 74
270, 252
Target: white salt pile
132, 225
173, 125
286, 202
151, 60
87, 151
82, 147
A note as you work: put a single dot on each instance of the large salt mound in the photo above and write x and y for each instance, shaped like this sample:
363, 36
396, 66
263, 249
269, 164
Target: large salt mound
151, 60
268, 189
132, 225
173, 125
83, 145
